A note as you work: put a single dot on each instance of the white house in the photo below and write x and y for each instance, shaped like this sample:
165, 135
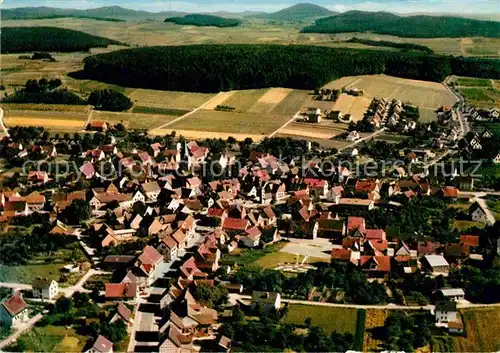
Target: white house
45, 289
496, 160
446, 312
478, 214
14, 311
353, 136
454, 294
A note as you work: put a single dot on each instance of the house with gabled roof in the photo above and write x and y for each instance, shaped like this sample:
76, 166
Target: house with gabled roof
478, 214
14, 311
101, 345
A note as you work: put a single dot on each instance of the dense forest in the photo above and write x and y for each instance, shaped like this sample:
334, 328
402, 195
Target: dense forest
410, 26
385, 43
214, 68
204, 21
28, 39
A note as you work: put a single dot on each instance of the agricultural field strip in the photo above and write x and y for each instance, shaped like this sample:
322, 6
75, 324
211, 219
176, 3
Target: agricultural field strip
188, 114
286, 124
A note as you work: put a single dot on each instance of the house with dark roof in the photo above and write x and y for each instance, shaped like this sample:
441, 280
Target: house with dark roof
14, 311
122, 313
329, 228
266, 300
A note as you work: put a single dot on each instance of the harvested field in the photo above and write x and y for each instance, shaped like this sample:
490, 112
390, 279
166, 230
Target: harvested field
50, 124
229, 122
270, 100
46, 107
219, 100
481, 327
195, 134
426, 95
325, 130
134, 120
244, 100
169, 99
374, 318
292, 103
356, 106
341, 82
342, 320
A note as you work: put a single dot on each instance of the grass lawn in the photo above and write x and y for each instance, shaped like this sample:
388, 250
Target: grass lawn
134, 120
140, 109
47, 266
252, 256
494, 205
52, 339
481, 327
95, 281
330, 319
473, 82
276, 258
4, 332
463, 225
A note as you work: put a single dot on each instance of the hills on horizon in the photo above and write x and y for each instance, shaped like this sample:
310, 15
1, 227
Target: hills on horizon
299, 12
405, 26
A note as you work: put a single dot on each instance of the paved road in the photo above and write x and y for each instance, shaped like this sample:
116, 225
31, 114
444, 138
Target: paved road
369, 137
27, 326
246, 298
296, 116
187, 114
464, 124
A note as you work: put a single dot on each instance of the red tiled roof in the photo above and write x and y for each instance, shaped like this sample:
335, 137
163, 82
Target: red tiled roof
355, 223
365, 185
450, 191
169, 242
377, 234
383, 262
215, 212
471, 240
235, 224
150, 256
341, 254
15, 304
314, 183
121, 290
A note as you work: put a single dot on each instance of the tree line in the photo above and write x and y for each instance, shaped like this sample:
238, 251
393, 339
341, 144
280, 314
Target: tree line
28, 39
214, 68
204, 21
386, 43
46, 91
408, 26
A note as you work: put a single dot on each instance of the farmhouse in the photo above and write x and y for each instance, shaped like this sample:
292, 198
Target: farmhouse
437, 264
14, 311
478, 214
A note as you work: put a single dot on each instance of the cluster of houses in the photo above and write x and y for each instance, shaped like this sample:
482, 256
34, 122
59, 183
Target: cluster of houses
474, 114
189, 224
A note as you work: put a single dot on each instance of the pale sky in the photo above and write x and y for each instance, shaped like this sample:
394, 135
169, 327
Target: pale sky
404, 6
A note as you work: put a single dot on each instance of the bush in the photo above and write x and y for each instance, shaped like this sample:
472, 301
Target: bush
108, 99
